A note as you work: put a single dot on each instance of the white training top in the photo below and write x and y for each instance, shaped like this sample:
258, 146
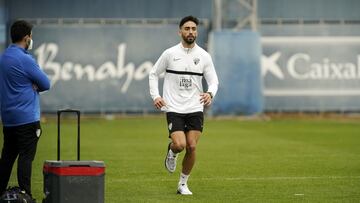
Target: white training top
184, 69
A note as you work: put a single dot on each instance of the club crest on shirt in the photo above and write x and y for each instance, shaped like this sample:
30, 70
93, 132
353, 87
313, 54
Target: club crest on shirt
196, 61
170, 126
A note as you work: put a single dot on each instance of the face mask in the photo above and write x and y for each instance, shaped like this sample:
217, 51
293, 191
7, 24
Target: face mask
30, 46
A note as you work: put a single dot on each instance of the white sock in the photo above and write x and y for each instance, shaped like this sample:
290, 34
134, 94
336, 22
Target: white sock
183, 179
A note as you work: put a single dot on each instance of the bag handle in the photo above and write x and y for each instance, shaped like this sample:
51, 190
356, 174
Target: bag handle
78, 131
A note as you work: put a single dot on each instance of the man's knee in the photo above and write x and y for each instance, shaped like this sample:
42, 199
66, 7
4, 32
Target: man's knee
190, 148
178, 146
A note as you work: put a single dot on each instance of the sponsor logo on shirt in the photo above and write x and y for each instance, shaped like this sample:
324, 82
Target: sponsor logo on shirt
185, 82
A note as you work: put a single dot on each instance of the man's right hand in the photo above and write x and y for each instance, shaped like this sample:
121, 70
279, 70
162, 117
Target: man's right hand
159, 102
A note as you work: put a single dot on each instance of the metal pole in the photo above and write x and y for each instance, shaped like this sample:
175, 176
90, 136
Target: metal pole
217, 15
58, 139
254, 16
78, 139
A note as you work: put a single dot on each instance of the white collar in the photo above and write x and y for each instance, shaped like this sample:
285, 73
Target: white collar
188, 50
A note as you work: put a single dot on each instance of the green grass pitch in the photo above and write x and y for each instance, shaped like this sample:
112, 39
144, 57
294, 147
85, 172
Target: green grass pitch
282, 160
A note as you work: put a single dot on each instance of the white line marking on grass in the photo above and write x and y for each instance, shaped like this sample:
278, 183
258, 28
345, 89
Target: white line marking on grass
115, 180
288, 178
236, 179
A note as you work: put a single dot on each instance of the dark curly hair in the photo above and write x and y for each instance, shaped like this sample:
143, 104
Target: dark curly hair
188, 18
19, 29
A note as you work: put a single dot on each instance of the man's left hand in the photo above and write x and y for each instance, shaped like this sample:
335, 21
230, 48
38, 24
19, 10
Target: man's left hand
205, 98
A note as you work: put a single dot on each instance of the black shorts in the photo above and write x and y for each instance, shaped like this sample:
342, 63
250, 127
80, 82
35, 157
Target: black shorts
185, 122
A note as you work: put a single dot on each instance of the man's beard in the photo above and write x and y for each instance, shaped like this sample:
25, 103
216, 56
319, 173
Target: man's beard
189, 40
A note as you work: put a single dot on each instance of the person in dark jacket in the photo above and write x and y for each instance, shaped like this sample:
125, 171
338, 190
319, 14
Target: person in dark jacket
21, 81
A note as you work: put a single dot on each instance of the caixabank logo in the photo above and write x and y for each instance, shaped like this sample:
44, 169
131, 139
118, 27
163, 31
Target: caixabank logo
311, 66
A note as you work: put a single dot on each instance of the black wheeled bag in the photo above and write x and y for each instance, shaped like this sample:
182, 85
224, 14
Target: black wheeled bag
15, 195
73, 181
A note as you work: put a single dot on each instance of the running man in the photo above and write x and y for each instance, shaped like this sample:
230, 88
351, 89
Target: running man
183, 99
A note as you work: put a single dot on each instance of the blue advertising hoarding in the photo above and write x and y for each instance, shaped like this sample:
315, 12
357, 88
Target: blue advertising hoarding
101, 68
311, 73
104, 68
